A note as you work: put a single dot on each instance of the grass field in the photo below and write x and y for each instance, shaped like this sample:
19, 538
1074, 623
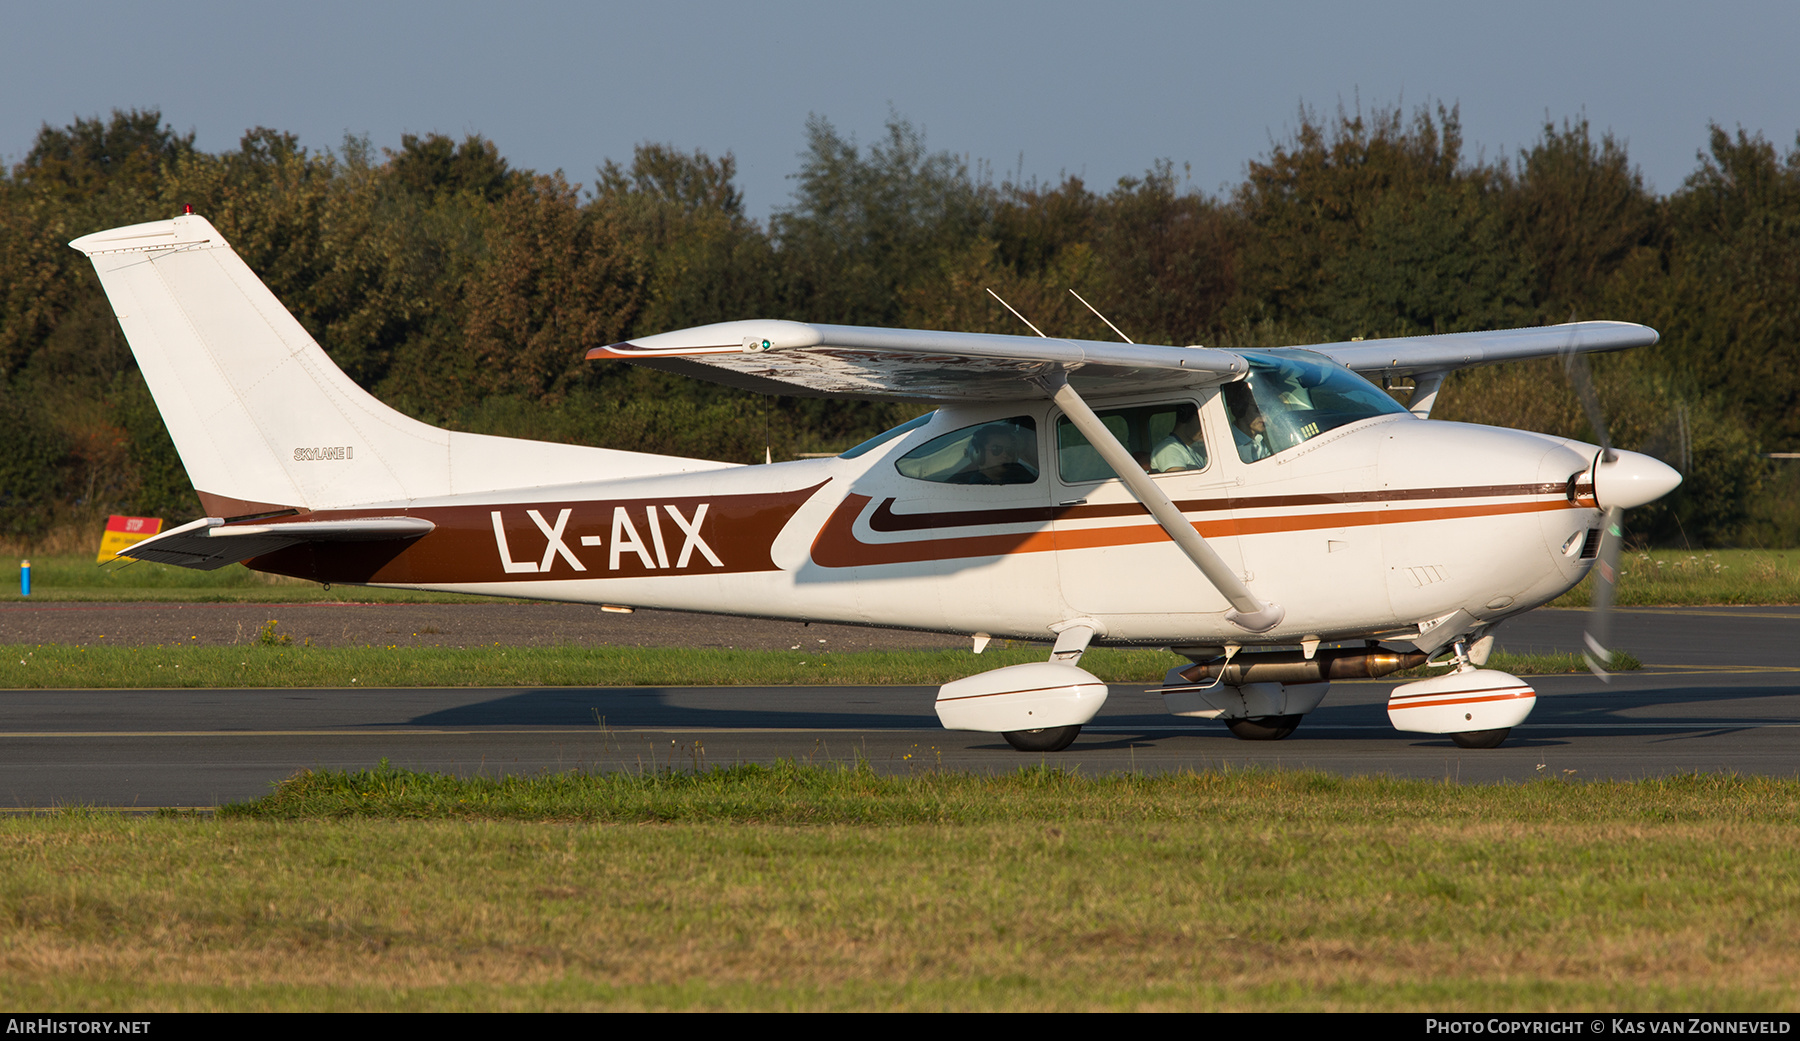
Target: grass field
793, 887
789, 887
1676, 577
264, 665
1698, 577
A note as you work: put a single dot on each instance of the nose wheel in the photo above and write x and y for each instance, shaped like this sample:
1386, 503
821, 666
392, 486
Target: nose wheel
1474, 707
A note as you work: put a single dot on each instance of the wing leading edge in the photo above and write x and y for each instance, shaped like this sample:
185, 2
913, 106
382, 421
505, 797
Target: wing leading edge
809, 359
914, 364
1444, 352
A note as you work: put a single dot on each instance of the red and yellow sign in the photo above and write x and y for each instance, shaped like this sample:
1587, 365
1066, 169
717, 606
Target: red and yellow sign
126, 531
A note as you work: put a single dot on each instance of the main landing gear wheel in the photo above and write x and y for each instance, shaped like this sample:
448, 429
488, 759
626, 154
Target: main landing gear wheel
1049, 739
1480, 738
1263, 728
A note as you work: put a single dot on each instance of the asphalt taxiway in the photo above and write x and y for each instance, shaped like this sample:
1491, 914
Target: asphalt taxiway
1721, 692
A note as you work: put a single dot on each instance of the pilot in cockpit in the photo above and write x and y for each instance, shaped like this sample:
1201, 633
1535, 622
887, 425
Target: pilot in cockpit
1249, 428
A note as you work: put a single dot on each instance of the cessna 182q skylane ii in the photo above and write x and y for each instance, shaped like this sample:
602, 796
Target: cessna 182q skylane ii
1270, 514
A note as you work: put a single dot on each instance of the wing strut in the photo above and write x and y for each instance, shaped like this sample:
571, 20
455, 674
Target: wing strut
1247, 613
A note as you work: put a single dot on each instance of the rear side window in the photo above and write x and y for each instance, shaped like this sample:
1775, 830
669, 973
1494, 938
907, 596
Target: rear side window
1003, 451
1161, 438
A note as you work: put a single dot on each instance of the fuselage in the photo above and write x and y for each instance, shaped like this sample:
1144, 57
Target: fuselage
1085, 491
1380, 527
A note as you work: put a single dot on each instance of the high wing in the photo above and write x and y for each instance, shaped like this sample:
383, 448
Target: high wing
809, 359
1412, 355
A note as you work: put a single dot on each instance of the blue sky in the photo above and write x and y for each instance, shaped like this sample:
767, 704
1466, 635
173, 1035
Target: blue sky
1048, 88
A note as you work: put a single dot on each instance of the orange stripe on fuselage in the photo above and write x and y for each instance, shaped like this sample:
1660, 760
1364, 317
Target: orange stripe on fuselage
837, 544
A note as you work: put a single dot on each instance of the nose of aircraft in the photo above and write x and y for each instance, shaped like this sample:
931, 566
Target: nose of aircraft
1632, 480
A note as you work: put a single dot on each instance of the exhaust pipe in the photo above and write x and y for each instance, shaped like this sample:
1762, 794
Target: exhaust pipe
1293, 667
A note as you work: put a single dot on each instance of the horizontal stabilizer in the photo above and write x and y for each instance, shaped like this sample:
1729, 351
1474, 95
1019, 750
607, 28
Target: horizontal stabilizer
209, 543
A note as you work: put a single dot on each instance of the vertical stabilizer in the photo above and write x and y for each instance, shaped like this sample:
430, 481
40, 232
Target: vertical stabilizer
262, 416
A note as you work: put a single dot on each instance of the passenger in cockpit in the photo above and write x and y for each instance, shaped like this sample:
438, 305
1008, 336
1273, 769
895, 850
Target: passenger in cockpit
1000, 451
1182, 449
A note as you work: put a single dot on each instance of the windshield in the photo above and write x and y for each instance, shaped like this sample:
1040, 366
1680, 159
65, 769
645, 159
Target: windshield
1290, 398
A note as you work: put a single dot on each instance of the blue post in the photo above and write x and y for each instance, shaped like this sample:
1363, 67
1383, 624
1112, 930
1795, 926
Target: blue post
24, 578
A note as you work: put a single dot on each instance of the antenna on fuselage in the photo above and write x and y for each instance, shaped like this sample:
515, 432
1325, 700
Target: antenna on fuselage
1016, 314
1100, 316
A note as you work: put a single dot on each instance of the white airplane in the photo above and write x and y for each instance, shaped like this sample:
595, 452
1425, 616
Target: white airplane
1270, 514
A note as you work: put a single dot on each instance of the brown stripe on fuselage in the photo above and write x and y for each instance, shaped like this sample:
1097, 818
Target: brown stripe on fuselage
884, 519
838, 546
739, 529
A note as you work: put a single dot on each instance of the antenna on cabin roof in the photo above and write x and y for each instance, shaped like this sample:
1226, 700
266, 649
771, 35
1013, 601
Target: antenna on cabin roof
1016, 314
1100, 316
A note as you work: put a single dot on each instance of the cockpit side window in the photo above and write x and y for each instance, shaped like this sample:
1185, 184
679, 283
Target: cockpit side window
1290, 398
1002, 451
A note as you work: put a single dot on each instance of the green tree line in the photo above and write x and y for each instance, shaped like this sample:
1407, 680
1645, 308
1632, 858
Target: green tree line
464, 291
